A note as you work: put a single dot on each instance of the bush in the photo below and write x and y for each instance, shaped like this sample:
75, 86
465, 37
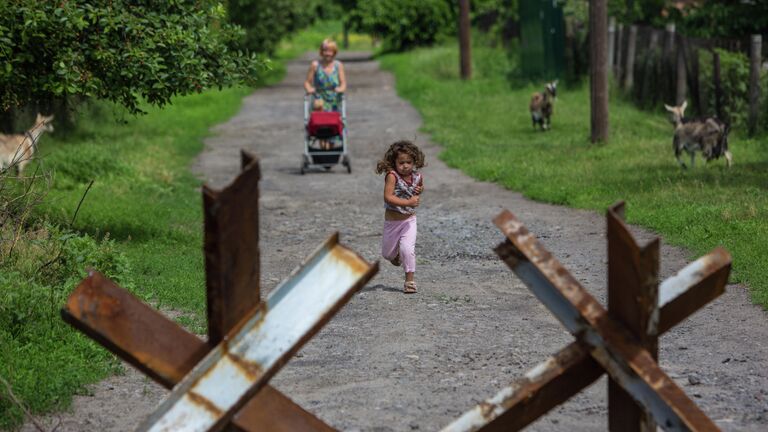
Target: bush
404, 24
41, 357
734, 81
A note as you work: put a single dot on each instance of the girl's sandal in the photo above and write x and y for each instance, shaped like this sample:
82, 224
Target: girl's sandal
409, 287
396, 261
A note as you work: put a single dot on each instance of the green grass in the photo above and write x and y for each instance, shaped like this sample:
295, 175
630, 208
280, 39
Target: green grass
485, 129
140, 223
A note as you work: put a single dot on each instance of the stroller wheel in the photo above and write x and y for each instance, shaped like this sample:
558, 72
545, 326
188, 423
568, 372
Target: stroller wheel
347, 164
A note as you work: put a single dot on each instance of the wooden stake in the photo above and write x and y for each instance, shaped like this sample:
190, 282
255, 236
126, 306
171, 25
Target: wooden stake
598, 32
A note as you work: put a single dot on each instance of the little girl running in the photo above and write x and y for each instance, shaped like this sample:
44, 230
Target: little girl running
403, 185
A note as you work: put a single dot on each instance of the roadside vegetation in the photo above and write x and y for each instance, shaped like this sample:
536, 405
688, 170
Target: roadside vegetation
485, 128
116, 194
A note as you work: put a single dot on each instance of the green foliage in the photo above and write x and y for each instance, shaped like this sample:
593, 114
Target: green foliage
41, 357
725, 18
404, 24
734, 79
122, 51
140, 224
699, 208
266, 22
495, 17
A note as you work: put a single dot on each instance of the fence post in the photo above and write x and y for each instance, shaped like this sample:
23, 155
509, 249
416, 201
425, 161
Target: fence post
718, 85
649, 86
598, 70
754, 81
619, 53
692, 54
611, 42
669, 44
682, 78
629, 71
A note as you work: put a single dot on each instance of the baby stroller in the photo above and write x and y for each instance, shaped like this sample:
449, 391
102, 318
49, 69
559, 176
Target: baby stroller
322, 126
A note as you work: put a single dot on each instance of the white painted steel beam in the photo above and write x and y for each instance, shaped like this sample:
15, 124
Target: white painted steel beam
237, 368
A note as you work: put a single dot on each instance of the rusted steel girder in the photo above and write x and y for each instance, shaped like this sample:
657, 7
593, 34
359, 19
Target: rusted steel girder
234, 371
572, 369
165, 352
611, 344
633, 301
231, 246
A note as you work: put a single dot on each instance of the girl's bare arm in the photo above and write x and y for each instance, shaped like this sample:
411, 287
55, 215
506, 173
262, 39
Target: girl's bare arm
392, 199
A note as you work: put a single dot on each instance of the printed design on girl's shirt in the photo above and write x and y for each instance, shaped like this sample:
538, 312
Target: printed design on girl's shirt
405, 190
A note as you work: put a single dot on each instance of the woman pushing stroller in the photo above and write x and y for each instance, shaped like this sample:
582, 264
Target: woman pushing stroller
325, 115
326, 77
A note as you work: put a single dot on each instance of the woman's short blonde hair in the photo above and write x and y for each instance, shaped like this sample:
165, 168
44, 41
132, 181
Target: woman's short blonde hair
329, 43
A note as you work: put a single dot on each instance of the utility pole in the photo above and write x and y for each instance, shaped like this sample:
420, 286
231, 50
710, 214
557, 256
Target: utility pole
598, 69
465, 58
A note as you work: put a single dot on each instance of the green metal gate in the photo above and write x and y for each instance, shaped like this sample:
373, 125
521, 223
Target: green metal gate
542, 37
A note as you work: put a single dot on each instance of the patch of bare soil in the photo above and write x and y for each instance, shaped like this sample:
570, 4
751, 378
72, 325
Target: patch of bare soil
391, 362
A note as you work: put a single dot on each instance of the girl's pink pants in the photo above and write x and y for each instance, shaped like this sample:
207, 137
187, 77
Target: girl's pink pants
400, 237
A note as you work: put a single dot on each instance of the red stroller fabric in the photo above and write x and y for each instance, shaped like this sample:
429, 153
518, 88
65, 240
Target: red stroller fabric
325, 124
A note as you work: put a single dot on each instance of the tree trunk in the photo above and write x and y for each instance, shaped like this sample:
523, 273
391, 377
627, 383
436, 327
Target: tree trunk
464, 48
598, 83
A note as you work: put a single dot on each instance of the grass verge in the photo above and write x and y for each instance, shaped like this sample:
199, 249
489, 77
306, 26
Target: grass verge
140, 223
485, 130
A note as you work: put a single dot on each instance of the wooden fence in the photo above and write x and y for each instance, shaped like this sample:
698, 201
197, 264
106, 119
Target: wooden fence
655, 66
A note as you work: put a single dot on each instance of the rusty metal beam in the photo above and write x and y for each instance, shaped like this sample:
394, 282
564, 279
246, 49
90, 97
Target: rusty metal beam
611, 344
519, 404
164, 351
693, 287
547, 385
231, 247
633, 300
235, 370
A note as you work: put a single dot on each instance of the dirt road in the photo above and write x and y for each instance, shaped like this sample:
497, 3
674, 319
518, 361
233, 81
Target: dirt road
391, 362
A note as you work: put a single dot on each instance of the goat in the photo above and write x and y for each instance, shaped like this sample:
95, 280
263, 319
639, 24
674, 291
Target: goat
18, 149
708, 135
541, 106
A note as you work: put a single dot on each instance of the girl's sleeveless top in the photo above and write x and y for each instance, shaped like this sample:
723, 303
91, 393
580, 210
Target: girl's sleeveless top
404, 190
325, 83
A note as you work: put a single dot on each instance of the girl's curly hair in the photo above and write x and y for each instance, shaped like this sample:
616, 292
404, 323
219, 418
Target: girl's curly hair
387, 163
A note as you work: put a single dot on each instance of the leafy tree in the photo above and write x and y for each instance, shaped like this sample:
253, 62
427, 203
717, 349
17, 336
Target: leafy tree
119, 50
267, 21
725, 18
405, 23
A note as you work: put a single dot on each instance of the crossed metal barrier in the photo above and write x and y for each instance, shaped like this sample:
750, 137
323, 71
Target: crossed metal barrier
223, 382
621, 341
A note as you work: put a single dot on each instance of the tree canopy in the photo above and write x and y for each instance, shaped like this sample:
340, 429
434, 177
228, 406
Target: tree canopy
119, 50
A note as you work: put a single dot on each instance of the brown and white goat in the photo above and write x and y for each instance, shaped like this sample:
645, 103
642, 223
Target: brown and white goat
709, 135
18, 149
541, 106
